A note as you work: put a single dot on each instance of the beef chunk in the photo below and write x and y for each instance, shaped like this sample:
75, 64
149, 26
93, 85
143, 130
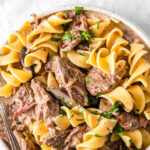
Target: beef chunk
62, 95
24, 144
23, 102
128, 121
47, 107
111, 145
64, 140
101, 82
71, 78
79, 23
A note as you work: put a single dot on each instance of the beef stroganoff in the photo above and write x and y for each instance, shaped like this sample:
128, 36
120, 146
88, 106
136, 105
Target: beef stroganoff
76, 80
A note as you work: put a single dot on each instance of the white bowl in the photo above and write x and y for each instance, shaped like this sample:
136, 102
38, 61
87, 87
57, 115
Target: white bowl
132, 26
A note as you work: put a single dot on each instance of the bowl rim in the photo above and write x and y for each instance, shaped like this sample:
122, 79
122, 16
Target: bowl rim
136, 28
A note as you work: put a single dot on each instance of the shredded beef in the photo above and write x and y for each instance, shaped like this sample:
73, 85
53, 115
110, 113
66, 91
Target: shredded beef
47, 107
71, 78
24, 144
101, 82
62, 95
64, 140
128, 121
79, 23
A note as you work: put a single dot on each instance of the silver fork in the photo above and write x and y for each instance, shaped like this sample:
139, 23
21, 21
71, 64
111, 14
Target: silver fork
12, 139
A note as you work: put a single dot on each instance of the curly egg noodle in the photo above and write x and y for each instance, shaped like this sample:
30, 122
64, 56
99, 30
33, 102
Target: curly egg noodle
105, 49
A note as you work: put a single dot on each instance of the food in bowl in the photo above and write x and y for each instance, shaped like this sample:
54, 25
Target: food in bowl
76, 80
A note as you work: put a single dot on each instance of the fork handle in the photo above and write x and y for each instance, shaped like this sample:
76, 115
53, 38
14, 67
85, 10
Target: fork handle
12, 139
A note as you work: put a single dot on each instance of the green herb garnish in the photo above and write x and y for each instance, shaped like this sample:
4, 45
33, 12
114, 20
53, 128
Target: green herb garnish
115, 107
118, 130
84, 35
72, 114
52, 57
130, 141
84, 54
99, 119
80, 119
42, 118
87, 80
78, 10
66, 15
98, 95
97, 24
62, 98
95, 112
107, 115
70, 103
26, 138
67, 36
103, 103
97, 135
62, 112
85, 96
91, 33
55, 39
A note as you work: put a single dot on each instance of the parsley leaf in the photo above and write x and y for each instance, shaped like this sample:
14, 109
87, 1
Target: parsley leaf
97, 135
62, 98
84, 54
99, 119
91, 33
103, 103
115, 107
78, 10
118, 130
80, 119
72, 114
62, 112
95, 112
85, 96
87, 80
26, 138
70, 103
55, 39
67, 36
42, 118
52, 57
98, 95
130, 141
107, 115
66, 15
84, 35
97, 24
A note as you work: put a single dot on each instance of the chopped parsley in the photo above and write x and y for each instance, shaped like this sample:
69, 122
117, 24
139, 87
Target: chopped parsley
91, 33
103, 103
42, 118
95, 112
72, 114
98, 95
67, 36
97, 135
84, 35
70, 103
107, 115
118, 130
62, 98
97, 24
66, 15
85, 96
99, 119
64, 103
55, 39
26, 138
130, 141
115, 107
52, 57
78, 10
80, 119
84, 54
74, 100
62, 112
87, 80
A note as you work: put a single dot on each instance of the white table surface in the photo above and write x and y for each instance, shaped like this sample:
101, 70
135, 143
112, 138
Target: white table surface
13, 13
